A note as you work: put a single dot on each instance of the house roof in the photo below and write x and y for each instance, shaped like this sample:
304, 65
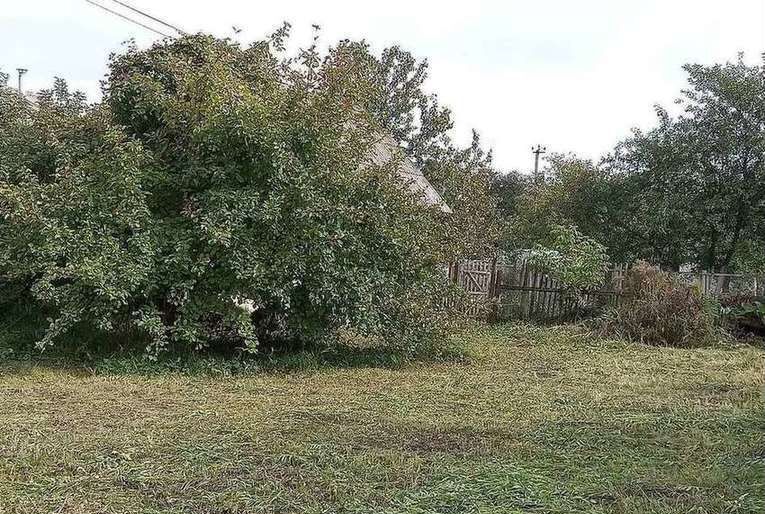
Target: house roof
385, 150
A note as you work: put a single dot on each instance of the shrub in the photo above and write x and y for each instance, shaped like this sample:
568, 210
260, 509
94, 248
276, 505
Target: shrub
218, 193
658, 309
744, 314
578, 261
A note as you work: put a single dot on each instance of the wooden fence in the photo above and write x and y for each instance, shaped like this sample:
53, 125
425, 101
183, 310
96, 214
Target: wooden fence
478, 278
505, 289
718, 284
502, 289
524, 292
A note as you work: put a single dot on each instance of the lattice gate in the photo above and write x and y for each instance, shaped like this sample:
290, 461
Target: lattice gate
478, 279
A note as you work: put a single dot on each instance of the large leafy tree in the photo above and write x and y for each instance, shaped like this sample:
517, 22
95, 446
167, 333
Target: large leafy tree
543, 214
223, 191
689, 191
507, 188
696, 183
573, 191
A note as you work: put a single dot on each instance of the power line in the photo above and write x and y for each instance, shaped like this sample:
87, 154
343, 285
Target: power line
131, 20
128, 6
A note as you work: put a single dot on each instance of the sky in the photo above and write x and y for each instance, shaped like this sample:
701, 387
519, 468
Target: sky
572, 75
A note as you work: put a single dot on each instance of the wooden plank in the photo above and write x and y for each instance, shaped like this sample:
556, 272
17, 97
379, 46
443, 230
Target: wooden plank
522, 295
518, 289
543, 294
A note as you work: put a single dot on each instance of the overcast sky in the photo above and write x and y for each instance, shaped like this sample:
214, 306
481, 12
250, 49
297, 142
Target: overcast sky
574, 75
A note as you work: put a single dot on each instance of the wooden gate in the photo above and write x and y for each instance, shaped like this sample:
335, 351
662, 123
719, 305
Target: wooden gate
478, 278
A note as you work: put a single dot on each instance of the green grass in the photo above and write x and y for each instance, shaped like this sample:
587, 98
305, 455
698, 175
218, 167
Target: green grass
536, 420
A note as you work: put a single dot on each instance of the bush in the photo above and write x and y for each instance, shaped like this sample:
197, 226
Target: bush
744, 314
658, 309
578, 261
219, 193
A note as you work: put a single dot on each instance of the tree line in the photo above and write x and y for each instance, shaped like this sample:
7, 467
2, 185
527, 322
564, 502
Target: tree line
222, 194
690, 191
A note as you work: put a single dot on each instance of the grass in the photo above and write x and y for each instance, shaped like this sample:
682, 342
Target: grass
536, 420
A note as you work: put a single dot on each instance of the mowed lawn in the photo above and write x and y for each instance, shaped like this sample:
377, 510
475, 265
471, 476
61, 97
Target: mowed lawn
535, 420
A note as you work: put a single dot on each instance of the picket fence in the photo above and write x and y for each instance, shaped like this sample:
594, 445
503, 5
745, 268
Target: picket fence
502, 289
524, 292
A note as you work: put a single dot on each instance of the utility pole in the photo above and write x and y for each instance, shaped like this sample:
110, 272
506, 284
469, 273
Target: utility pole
21, 71
539, 150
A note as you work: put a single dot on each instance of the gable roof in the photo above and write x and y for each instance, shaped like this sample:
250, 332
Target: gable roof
385, 150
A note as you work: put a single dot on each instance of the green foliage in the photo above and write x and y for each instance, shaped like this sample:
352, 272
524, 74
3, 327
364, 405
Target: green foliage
744, 314
689, 191
693, 186
225, 195
402, 106
754, 309
750, 257
657, 309
462, 176
507, 188
571, 257
574, 191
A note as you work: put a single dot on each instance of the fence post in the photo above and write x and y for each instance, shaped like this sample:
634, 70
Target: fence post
492, 293
524, 300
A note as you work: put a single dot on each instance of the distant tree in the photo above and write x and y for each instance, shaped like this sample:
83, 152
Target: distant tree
690, 191
578, 191
463, 177
694, 186
507, 188
406, 109
575, 192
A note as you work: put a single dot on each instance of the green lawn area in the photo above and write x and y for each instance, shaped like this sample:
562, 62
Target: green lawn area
535, 420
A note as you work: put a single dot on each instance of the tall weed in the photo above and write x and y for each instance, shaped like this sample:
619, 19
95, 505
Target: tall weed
660, 310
